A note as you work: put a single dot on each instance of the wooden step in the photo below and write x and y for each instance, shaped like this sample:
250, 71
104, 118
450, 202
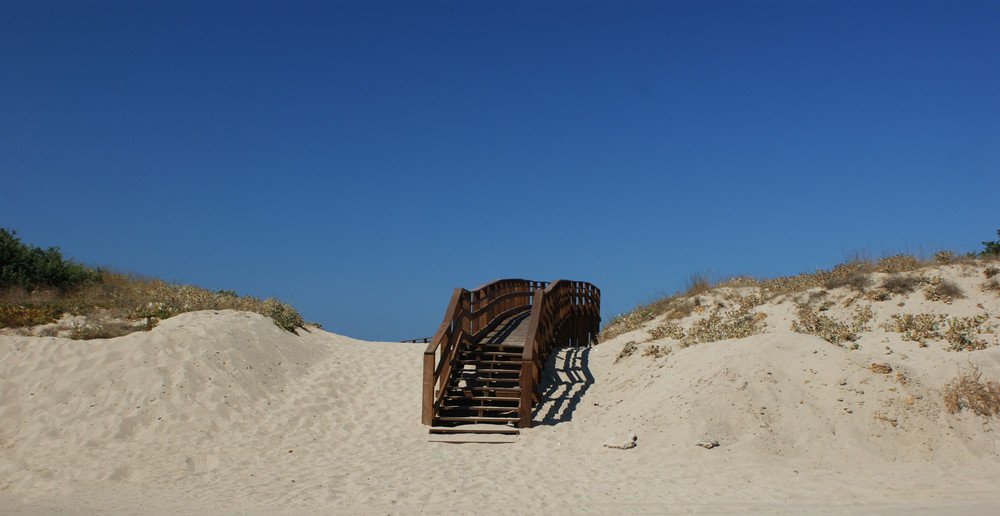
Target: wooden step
488, 373
495, 371
474, 434
459, 390
513, 356
486, 379
475, 429
486, 386
476, 419
508, 364
503, 350
483, 408
492, 399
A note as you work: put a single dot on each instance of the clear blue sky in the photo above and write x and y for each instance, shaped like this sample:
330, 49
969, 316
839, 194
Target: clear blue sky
361, 159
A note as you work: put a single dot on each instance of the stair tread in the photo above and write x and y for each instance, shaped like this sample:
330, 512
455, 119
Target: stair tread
475, 429
509, 399
489, 419
478, 407
455, 389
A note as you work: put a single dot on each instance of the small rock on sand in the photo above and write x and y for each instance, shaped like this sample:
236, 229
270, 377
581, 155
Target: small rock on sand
621, 442
708, 444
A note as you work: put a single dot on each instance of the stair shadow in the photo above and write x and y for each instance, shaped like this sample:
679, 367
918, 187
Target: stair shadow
564, 382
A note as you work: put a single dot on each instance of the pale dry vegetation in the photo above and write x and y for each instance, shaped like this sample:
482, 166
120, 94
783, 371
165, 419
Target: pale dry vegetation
942, 290
970, 391
830, 329
628, 349
961, 333
900, 283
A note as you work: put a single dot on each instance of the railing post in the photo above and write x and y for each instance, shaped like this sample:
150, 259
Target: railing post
427, 404
527, 389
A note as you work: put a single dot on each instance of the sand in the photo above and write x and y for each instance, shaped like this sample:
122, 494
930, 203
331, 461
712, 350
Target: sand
225, 412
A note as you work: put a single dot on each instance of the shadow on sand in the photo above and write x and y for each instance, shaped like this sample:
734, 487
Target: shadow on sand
566, 379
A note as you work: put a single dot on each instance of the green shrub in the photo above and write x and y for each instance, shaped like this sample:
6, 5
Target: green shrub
30, 267
991, 248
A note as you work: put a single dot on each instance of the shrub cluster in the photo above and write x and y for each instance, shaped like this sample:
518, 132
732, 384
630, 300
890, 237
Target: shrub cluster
961, 333
830, 329
39, 287
991, 248
30, 267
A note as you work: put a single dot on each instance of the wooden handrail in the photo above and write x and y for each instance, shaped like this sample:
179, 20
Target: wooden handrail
469, 316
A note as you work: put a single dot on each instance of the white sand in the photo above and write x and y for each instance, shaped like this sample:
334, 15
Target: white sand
225, 412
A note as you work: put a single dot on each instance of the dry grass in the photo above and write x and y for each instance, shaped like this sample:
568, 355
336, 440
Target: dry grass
900, 283
970, 391
135, 298
857, 281
991, 271
697, 283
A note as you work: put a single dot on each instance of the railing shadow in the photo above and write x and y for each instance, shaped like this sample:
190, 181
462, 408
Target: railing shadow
506, 328
566, 379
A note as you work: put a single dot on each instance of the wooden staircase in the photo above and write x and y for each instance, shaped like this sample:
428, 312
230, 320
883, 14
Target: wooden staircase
485, 385
483, 365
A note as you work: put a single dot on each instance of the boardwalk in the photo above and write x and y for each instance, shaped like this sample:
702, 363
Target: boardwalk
481, 369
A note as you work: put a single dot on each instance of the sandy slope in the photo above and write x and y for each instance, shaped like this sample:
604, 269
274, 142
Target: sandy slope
223, 411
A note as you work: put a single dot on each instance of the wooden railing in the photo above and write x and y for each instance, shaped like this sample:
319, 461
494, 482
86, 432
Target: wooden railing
470, 316
566, 313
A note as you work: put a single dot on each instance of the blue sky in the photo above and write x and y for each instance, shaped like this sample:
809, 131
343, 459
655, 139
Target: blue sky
362, 159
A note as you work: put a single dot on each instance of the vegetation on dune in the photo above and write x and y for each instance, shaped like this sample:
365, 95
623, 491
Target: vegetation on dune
30, 267
39, 287
991, 248
832, 330
854, 274
970, 391
903, 276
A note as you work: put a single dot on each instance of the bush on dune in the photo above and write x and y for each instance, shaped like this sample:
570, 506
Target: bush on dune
38, 287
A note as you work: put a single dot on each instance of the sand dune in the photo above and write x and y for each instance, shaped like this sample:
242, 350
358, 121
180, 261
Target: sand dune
225, 412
